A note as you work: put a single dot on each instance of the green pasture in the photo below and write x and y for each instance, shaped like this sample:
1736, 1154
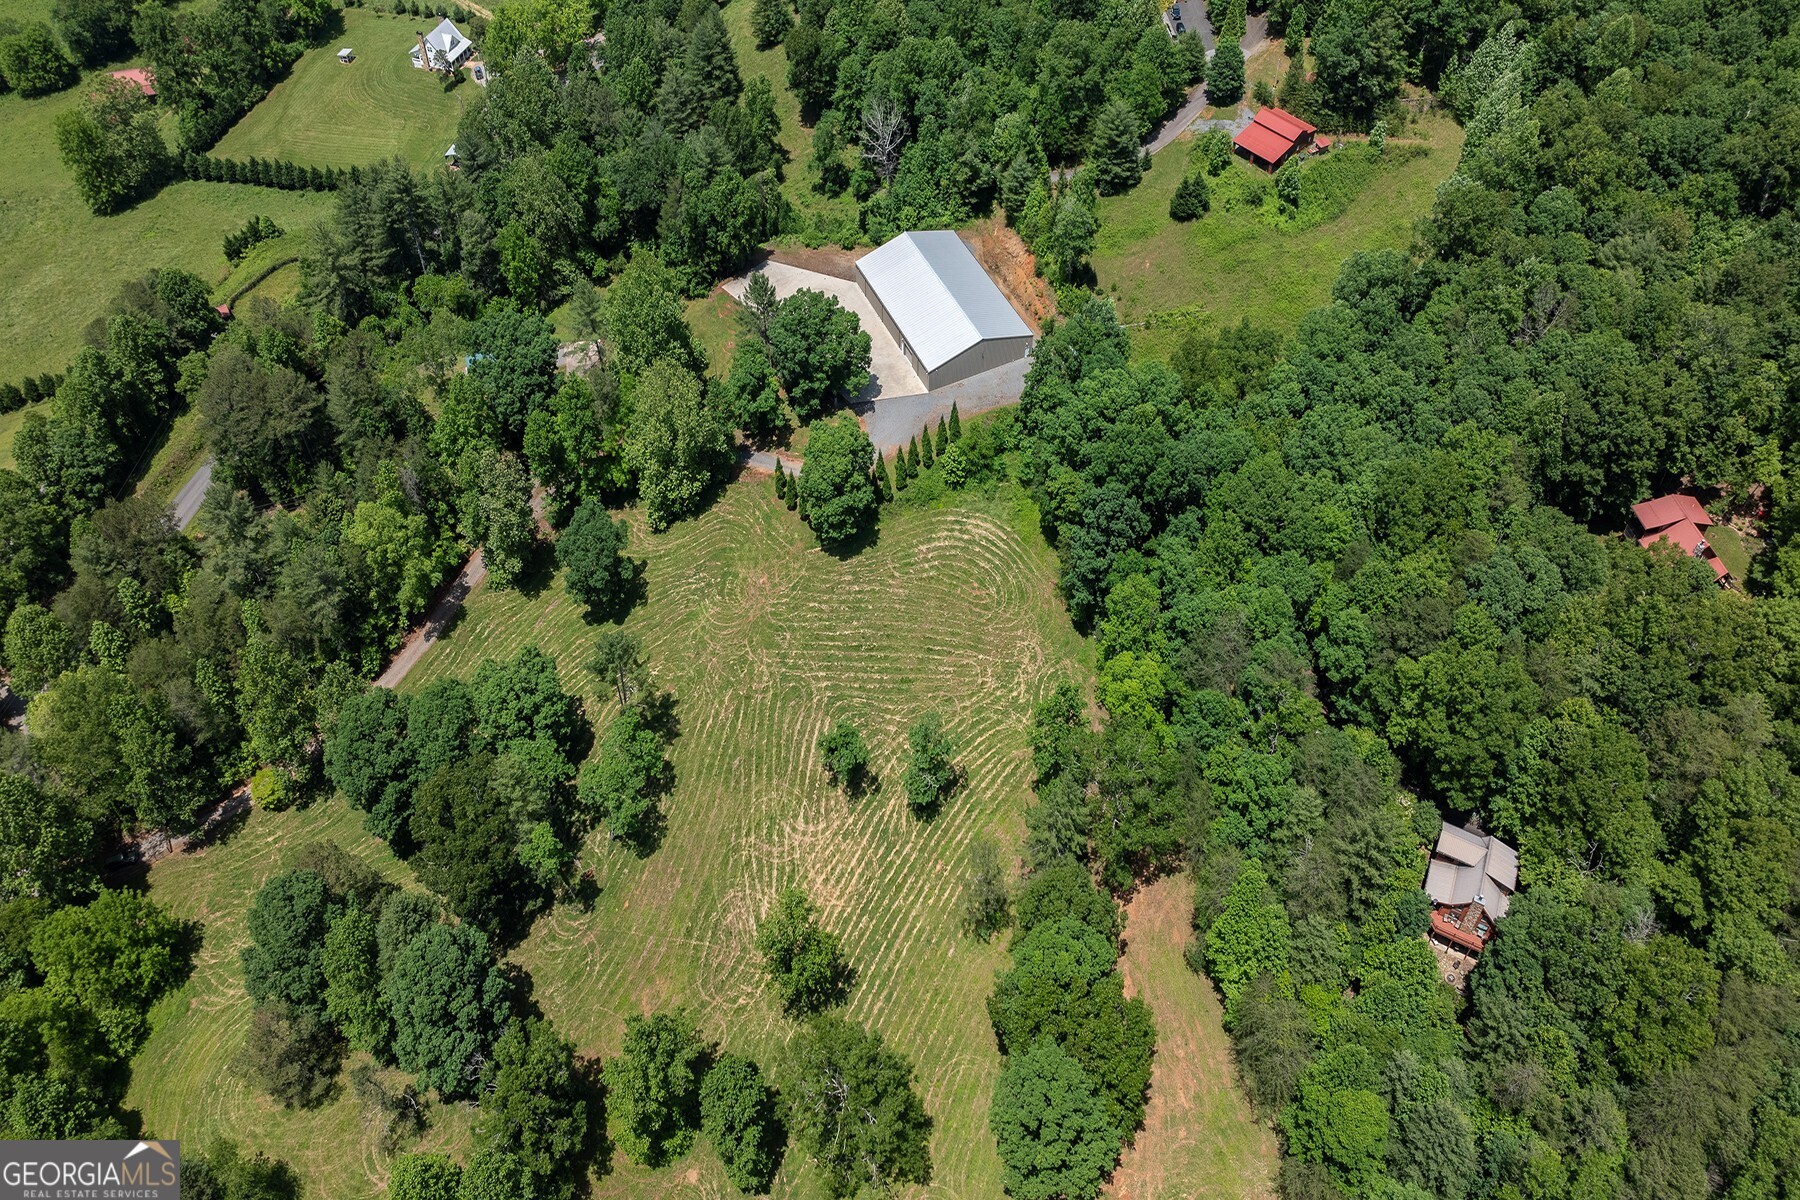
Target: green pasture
328, 114
62, 264
1237, 262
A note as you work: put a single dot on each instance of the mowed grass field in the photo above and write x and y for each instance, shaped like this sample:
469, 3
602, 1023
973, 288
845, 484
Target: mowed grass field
1232, 264
765, 641
327, 114
1200, 1140
62, 264
184, 1081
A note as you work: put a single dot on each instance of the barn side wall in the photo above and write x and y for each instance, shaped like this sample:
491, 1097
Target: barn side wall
982, 356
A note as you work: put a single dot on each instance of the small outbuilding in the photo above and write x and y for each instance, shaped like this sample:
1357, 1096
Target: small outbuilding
948, 316
443, 49
346, 55
1272, 135
139, 78
1471, 881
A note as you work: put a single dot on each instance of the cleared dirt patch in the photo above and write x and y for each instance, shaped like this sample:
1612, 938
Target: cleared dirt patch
1002, 253
1199, 1136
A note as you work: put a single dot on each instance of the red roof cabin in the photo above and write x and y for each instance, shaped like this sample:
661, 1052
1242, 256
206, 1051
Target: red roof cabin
1678, 519
1271, 136
140, 78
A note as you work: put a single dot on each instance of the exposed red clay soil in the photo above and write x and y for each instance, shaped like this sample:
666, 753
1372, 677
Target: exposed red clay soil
1003, 253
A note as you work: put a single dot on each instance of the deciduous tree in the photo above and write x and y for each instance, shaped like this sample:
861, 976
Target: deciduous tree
853, 1110
1051, 1125
653, 1087
804, 961
819, 352
737, 1114
835, 483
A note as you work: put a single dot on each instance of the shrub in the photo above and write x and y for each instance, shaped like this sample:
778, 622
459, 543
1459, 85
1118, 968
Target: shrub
34, 63
271, 788
1211, 151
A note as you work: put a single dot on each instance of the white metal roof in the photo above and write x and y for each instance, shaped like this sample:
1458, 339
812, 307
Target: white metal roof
446, 41
938, 295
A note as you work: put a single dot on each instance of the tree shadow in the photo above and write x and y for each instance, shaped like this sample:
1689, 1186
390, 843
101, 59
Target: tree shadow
863, 539
647, 838
538, 570
593, 1158
660, 708
862, 784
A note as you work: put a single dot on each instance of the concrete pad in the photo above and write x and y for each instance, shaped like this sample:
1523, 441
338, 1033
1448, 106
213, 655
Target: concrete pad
890, 374
893, 422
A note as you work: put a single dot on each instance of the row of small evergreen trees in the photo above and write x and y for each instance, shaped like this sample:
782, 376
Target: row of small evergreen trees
275, 173
31, 389
413, 8
921, 454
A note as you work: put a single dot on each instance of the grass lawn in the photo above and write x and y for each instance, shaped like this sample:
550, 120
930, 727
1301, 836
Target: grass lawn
9, 428
1233, 262
183, 1080
820, 218
62, 264
176, 460
714, 321
1734, 550
326, 114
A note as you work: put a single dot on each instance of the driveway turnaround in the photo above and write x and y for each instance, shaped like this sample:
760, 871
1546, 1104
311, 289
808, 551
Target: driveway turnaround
893, 422
890, 373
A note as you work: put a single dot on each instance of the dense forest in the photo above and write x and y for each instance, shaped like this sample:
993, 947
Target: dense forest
1345, 587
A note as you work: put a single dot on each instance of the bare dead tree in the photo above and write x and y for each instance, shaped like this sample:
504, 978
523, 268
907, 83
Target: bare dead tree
883, 135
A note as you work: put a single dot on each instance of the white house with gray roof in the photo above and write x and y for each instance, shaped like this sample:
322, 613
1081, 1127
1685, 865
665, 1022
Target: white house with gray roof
950, 319
446, 45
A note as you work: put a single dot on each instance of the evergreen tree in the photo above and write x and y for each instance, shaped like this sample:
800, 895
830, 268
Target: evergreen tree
1192, 198
943, 437
912, 456
883, 490
780, 483
1225, 73
1117, 161
927, 455
955, 423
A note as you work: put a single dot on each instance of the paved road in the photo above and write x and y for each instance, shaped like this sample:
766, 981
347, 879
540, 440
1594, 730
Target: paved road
187, 500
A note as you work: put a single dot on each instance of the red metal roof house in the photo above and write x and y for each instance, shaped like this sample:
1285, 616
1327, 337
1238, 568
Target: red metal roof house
1678, 519
1271, 136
